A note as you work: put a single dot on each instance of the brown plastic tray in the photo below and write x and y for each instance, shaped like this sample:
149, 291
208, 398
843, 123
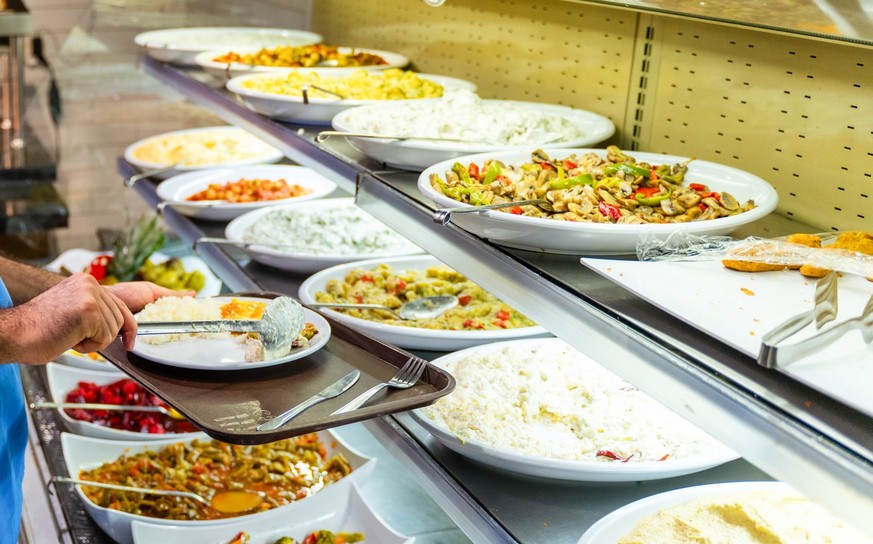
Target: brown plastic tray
228, 405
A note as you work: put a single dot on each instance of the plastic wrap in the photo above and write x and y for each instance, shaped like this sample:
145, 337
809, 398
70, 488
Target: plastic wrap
685, 247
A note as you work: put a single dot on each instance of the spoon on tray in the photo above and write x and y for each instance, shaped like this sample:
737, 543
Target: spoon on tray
226, 502
278, 328
420, 308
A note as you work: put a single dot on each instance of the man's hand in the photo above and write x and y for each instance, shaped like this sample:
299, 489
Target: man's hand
77, 312
136, 294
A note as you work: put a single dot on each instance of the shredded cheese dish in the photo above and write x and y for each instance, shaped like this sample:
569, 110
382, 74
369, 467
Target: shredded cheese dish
203, 148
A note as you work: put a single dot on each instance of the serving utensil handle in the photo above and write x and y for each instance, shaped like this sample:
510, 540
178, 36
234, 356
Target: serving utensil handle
188, 327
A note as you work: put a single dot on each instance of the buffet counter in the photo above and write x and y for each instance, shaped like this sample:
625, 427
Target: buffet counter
811, 439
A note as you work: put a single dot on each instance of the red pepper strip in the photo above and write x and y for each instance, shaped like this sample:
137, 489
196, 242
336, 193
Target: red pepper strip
463, 300
546, 166
502, 315
664, 458
473, 169
712, 194
697, 187
569, 165
516, 210
647, 191
610, 454
609, 210
504, 180
368, 278
653, 174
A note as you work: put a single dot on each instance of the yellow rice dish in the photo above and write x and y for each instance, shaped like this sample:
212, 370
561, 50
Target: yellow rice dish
476, 310
391, 84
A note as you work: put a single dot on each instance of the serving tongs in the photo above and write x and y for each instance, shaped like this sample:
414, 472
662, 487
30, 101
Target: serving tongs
823, 311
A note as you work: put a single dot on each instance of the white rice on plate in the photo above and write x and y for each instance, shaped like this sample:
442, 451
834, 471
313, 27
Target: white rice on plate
181, 309
548, 400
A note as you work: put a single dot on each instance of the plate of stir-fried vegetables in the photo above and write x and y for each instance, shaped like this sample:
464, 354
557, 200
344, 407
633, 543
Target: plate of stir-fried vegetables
594, 201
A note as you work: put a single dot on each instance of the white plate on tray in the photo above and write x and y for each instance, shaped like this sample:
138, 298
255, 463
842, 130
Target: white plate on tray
226, 353
178, 188
299, 260
738, 308
206, 60
621, 521
181, 45
85, 453
551, 236
406, 337
416, 155
334, 508
319, 111
554, 468
62, 379
258, 152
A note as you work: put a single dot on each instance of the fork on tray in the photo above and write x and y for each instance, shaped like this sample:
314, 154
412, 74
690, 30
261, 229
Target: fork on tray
405, 378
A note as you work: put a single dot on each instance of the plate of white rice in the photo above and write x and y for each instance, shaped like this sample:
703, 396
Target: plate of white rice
216, 351
540, 407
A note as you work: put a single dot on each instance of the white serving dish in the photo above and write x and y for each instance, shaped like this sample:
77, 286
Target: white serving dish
319, 111
406, 337
176, 189
335, 509
551, 236
296, 261
78, 259
563, 469
416, 155
739, 308
181, 45
621, 521
83, 361
85, 453
220, 354
221, 69
62, 379
269, 155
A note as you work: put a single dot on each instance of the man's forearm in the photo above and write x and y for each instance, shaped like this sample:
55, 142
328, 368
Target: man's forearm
25, 282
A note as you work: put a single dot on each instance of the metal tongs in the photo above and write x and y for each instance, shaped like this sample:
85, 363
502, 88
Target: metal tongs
824, 311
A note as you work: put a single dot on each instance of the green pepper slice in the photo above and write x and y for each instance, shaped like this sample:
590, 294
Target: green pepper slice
566, 183
653, 200
491, 174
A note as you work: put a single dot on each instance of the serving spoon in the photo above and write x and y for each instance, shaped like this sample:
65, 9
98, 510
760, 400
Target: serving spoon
226, 502
278, 328
444, 215
170, 412
420, 308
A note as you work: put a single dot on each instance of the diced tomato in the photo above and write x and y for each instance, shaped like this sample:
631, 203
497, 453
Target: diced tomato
474, 171
502, 314
359, 299
697, 187
401, 285
569, 165
99, 266
516, 210
367, 278
463, 300
499, 323
473, 324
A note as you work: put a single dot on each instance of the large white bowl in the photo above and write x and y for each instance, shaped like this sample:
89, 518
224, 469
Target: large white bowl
62, 379
221, 69
335, 509
418, 154
406, 337
562, 469
176, 189
181, 45
269, 155
85, 453
319, 111
551, 236
296, 261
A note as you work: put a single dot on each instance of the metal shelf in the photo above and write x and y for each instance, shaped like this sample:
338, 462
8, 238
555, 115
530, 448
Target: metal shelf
788, 430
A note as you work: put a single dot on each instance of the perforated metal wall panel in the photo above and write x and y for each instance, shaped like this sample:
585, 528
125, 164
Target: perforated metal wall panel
795, 111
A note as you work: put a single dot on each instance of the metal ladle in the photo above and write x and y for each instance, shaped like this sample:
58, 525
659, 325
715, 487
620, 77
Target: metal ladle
226, 502
420, 308
444, 216
278, 328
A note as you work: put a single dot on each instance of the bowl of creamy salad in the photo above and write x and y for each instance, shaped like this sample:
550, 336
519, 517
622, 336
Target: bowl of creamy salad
540, 407
309, 236
462, 123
